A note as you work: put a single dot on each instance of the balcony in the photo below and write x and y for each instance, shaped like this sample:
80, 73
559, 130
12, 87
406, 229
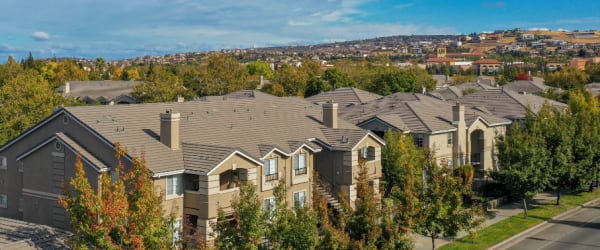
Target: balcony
272, 177
300, 171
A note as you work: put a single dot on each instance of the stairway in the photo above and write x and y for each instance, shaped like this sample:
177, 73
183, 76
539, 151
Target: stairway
331, 200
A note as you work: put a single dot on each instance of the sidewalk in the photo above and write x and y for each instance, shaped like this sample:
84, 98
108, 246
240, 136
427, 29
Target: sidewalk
494, 215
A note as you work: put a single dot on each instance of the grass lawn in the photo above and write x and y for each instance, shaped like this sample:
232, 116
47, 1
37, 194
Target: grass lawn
504, 229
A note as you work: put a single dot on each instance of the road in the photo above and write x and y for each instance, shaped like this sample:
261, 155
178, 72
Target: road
580, 230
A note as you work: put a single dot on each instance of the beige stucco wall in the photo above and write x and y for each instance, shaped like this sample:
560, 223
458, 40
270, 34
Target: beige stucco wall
444, 152
489, 139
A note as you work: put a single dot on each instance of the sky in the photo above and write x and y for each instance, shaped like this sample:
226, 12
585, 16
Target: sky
119, 29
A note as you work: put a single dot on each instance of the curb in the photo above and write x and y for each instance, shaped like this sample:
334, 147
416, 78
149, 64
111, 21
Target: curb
511, 241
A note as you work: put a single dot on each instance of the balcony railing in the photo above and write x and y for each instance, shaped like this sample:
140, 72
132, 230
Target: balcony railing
300, 171
272, 177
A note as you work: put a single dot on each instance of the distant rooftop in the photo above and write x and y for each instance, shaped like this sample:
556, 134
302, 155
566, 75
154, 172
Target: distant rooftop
16, 234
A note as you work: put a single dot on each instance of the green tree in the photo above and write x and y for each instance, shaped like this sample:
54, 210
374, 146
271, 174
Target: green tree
222, 74
585, 110
394, 80
24, 101
523, 160
260, 68
593, 71
291, 79
567, 78
364, 224
442, 212
160, 86
9, 70
294, 228
316, 85
337, 78
247, 227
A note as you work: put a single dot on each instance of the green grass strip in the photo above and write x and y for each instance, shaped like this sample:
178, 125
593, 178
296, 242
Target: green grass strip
504, 229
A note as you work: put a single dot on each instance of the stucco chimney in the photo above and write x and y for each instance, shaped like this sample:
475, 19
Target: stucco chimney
460, 137
330, 114
169, 129
67, 87
180, 99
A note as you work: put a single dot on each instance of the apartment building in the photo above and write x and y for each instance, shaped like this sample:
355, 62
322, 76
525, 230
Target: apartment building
199, 152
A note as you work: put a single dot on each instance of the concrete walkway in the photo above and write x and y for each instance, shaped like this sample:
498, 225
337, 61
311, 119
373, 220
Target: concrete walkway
494, 215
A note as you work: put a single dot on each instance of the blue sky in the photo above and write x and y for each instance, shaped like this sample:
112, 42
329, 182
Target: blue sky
129, 28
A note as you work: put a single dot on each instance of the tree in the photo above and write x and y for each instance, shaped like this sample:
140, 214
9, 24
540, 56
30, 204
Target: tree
331, 224
24, 101
9, 70
395, 80
160, 86
567, 78
364, 224
294, 228
337, 78
222, 74
291, 79
124, 213
585, 110
593, 71
523, 160
245, 229
316, 85
442, 212
260, 68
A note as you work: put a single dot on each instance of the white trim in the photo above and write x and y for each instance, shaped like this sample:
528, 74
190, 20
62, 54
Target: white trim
302, 146
58, 139
163, 174
444, 131
272, 150
365, 137
41, 194
229, 157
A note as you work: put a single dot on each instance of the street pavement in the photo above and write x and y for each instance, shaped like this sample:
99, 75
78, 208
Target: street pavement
578, 228
494, 216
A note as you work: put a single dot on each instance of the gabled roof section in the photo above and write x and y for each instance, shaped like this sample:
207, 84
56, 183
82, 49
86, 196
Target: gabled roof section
344, 96
392, 120
506, 103
206, 158
74, 147
344, 139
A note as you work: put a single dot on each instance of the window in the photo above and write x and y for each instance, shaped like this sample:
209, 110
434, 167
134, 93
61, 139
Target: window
3, 201
419, 140
174, 185
3, 164
450, 138
364, 153
269, 206
367, 153
300, 164
271, 169
300, 199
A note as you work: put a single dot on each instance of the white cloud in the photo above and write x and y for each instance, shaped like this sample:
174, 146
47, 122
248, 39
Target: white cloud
40, 36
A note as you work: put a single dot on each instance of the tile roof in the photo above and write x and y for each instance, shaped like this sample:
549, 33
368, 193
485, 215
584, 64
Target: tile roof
415, 113
253, 124
17, 234
344, 96
506, 103
108, 89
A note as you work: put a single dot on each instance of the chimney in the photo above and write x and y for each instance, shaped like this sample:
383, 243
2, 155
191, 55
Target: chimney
169, 129
460, 137
330, 114
180, 99
67, 87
